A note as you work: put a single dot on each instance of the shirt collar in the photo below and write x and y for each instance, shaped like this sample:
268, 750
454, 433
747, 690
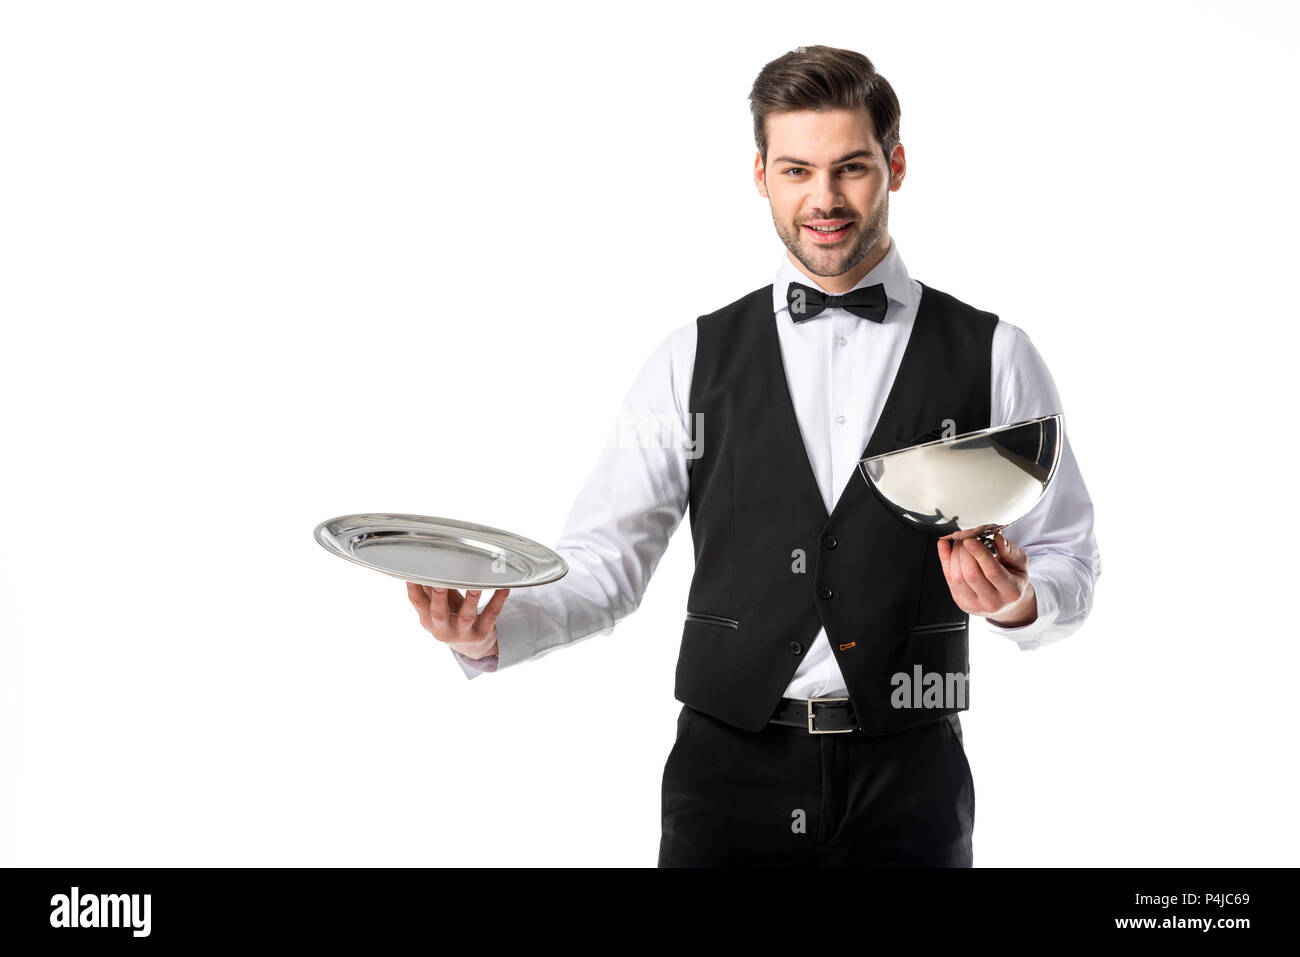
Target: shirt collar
890, 271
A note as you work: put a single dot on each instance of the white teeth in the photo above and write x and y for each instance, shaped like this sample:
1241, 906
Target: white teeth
828, 229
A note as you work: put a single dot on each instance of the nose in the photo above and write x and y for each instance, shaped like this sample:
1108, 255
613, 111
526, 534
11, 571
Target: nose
824, 193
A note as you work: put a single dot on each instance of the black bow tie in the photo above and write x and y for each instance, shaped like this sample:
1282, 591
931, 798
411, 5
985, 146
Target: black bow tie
869, 302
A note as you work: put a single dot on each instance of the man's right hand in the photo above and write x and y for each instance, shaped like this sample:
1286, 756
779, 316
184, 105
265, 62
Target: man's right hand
454, 619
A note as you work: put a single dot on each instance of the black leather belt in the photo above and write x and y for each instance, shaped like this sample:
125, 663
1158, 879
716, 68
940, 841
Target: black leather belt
828, 716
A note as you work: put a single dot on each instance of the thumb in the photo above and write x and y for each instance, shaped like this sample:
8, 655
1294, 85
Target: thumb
1011, 554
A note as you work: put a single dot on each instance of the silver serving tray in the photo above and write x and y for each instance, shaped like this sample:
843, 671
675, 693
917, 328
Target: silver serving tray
440, 551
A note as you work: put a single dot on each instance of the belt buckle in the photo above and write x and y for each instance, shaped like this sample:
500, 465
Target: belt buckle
812, 730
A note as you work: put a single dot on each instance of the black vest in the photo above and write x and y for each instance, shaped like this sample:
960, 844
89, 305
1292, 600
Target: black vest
872, 579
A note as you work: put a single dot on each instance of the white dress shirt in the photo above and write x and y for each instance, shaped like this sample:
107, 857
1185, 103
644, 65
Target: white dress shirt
839, 368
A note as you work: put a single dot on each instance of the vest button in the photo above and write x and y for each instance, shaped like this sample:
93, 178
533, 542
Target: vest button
825, 592
829, 541
795, 648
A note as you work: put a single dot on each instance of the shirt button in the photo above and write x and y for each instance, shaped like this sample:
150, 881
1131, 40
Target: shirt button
825, 592
842, 341
795, 647
829, 541
840, 419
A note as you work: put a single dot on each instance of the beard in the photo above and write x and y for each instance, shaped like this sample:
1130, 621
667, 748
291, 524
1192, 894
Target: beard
822, 261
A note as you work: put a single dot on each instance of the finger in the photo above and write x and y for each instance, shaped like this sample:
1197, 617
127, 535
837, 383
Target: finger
420, 600
487, 619
1012, 555
974, 576
997, 575
438, 612
468, 609
951, 569
966, 599
950, 553
452, 630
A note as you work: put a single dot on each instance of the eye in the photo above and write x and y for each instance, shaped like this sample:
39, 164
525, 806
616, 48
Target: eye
849, 166
793, 169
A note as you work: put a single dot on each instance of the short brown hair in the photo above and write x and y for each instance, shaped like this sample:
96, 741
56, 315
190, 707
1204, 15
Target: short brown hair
819, 78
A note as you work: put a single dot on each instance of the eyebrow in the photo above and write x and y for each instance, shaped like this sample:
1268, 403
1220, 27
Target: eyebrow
847, 156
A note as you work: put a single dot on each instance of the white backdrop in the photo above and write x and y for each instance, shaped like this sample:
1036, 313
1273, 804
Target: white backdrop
267, 263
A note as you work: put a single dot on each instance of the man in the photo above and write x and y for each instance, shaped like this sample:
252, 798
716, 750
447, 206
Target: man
811, 604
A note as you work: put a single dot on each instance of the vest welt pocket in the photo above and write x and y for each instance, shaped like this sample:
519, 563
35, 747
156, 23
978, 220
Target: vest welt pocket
712, 619
938, 628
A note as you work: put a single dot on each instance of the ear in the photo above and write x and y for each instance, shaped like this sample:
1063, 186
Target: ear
897, 167
760, 175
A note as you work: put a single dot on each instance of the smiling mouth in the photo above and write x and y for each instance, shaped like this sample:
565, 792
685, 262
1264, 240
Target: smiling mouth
827, 231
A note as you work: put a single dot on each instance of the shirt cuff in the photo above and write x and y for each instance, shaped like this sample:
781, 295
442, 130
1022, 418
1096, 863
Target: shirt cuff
513, 630
473, 667
1031, 636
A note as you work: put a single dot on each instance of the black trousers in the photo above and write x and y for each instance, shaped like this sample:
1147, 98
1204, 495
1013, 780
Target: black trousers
786, 798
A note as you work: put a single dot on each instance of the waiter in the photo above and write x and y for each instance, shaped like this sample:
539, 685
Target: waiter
811, 604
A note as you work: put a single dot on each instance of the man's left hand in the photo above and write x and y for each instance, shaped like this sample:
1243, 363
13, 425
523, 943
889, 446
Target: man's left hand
995, 588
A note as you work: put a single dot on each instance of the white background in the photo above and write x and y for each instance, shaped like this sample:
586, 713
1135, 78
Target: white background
262, 264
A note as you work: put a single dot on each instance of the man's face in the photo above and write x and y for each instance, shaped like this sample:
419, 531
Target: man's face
826, 168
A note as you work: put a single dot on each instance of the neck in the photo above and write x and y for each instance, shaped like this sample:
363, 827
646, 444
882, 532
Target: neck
846, 281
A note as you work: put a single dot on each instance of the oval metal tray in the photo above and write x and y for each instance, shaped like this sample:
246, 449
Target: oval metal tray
440, 551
